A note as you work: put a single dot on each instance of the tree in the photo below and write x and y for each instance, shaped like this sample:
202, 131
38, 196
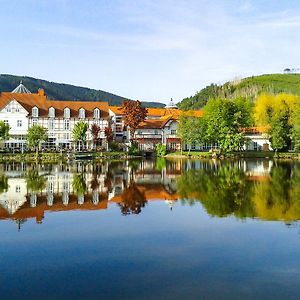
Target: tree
4, 131
134, 114
79, 132
279, 114
224, 120
191, 130
36, 135
109, 135
296, 129
95, 129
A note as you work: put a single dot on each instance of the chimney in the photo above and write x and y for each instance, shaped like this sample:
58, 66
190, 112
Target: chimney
41, 92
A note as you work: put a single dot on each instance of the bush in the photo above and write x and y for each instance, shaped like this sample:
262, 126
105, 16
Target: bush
134, 150
115, 147
161, 150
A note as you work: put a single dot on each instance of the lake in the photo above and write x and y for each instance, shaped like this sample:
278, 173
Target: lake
150, 229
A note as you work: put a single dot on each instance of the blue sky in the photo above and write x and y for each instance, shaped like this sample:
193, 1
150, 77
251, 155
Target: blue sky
148, 49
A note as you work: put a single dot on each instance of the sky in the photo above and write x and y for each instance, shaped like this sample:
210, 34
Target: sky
151, 50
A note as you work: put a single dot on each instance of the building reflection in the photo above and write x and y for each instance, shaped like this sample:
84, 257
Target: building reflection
30, 191
242, 188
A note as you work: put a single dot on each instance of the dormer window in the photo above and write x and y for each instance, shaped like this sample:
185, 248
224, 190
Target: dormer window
35, 112
67, 113
51, 112
81, 113
96, 113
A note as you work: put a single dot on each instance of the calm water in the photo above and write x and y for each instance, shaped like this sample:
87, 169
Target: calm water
150, 230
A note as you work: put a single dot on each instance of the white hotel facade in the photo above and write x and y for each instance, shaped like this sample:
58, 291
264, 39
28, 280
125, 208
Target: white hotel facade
22, 109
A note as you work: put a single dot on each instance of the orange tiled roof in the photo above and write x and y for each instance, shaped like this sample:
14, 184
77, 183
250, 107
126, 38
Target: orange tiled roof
153, 112
155, 123
253, 130
28, 101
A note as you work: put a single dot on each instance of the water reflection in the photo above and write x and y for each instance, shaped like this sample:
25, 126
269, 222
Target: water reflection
245, 189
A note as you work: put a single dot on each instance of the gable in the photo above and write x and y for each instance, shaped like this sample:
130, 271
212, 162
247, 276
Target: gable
13, 107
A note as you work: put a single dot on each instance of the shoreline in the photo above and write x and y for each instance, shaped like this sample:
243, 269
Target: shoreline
58, 157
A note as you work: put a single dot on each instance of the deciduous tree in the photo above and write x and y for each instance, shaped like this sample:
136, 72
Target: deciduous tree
134, 114
36, 135
224, 120
4, 131
79, 132
95, 129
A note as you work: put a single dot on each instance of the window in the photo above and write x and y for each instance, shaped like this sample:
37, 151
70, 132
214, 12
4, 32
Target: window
67, 113
119, 128
193, 145
51, 112
96, 113
173, 131
19, 123
118, 119
34, 122
6, 122
51, 124
35, 112
67, 124
18, 189
66, 136
81, 113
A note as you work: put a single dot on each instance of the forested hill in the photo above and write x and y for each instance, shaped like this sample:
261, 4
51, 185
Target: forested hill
63, 91
248, 87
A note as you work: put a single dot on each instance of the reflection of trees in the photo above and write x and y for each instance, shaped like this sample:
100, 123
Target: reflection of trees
222, 192
34, 181
79, 184
94, 184
133, 200
279, 197
227, 190
3, 184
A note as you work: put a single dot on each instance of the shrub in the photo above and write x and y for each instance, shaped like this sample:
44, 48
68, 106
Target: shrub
115, 147
134, 150
161, 150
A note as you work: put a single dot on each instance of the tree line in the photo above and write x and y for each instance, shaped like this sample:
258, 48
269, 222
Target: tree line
225, 121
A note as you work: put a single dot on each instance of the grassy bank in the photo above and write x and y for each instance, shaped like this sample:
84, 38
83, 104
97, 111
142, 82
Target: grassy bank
244, 154
56, 157
31, 157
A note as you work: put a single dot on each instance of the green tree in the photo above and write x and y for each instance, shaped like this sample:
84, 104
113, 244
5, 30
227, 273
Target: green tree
35, 136
224, 120
79, 132
296, 129
280, 131
4, 131
191, 130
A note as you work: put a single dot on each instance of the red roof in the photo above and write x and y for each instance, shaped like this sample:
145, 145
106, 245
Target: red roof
39, 100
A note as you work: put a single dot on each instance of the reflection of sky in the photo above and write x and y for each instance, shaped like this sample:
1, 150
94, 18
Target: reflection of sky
158, 254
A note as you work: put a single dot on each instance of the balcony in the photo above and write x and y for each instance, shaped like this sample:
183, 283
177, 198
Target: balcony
148, 136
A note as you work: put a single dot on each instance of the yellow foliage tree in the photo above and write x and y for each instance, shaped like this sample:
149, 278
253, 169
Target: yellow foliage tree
267, 104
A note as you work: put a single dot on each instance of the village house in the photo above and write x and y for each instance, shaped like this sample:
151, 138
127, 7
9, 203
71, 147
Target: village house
22, 109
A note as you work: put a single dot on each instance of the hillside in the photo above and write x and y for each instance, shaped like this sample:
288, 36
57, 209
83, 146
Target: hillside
63, 91
248, 87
